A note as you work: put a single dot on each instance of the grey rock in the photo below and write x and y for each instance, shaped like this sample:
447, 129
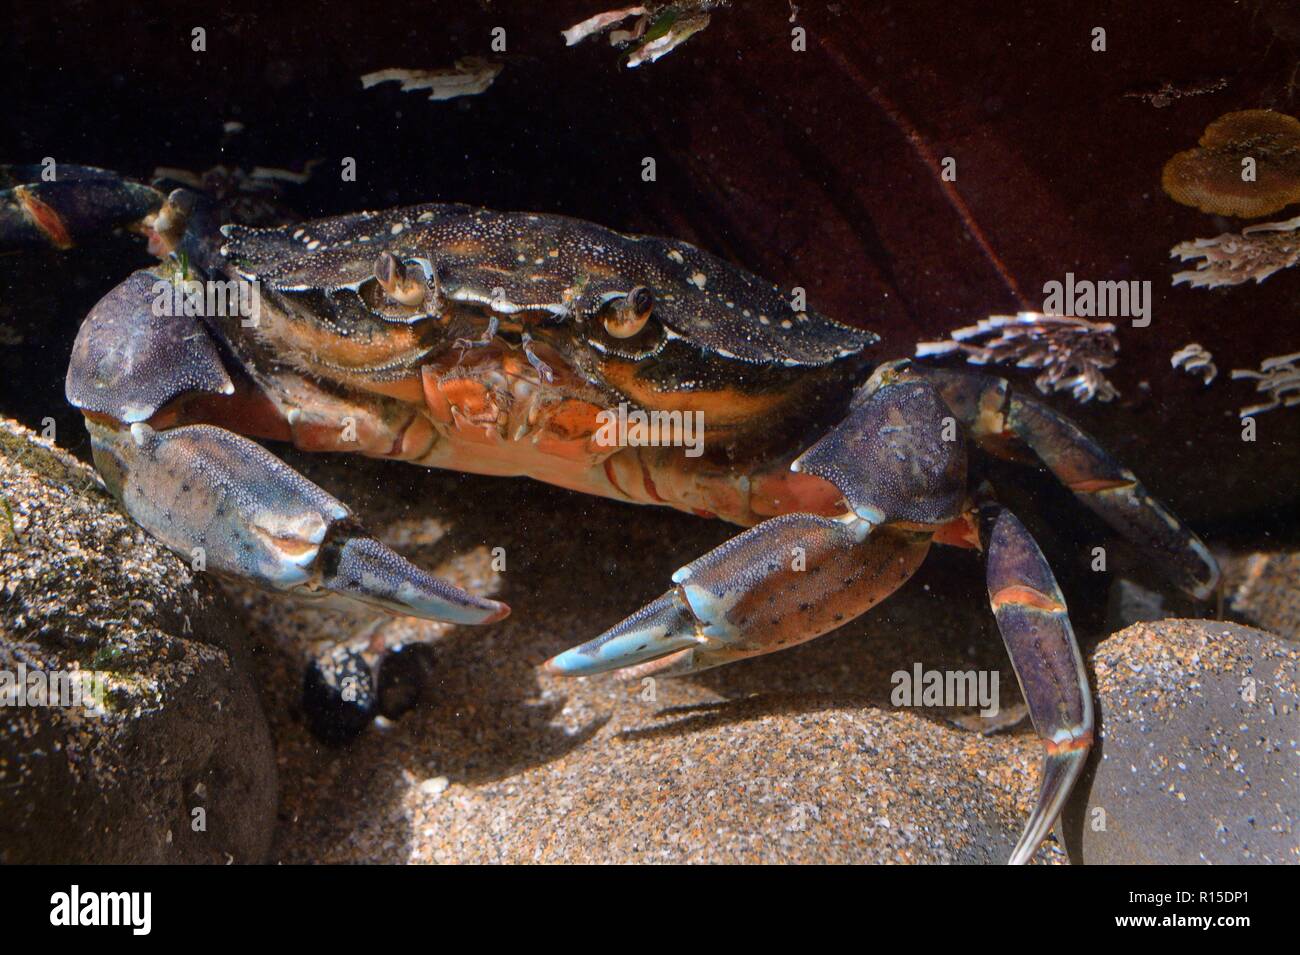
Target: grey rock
1197, 756
82, 589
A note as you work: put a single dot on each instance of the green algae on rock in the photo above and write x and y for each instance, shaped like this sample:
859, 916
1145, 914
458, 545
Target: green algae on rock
171, 760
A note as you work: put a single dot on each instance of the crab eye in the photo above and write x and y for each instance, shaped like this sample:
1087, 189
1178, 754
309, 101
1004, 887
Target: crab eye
171, 220
400, 286
628, 315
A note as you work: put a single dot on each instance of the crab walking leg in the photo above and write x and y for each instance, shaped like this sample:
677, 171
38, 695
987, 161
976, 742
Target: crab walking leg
996, 414
254, 517
1114, 493
780, 583
1032, 616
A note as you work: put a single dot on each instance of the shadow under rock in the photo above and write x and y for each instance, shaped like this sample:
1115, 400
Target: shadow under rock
484, 718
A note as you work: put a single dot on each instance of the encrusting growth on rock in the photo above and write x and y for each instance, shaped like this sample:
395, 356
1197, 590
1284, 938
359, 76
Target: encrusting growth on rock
1195, 360
1247, 165
655, 30
1278, 378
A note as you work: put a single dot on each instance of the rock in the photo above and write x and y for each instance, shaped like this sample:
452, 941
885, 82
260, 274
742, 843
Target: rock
689, 778
86, 591
1129, 602
338, 695
1197, 756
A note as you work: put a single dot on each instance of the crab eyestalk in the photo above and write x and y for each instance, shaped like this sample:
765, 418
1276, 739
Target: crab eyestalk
626, 316
397, 282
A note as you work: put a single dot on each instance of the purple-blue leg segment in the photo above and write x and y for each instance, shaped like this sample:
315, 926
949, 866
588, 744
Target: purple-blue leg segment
1035, 625
1021, 428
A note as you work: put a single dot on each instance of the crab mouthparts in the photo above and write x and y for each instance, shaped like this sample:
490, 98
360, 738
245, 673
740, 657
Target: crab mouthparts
501, 339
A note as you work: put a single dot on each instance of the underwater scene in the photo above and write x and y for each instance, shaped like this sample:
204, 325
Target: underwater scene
682, 432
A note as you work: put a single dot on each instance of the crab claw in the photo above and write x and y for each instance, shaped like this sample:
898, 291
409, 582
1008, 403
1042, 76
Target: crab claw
226, 501
659, 628
782, 582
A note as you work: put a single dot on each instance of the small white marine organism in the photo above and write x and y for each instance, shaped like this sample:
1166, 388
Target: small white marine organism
1195, 360
469, 76
1278, 378
656, 31
1234, 258
1073, 353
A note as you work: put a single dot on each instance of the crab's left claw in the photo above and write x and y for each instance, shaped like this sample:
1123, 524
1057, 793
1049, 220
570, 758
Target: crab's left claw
214, 496
795, 577
780, 583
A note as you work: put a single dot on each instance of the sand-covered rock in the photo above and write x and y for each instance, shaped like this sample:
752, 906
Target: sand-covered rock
1198, 758
167, 758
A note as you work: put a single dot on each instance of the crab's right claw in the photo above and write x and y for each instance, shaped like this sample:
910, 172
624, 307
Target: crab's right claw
61, 205
1035, 626
214, 496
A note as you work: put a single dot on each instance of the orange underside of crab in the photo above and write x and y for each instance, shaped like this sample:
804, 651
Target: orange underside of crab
489, 413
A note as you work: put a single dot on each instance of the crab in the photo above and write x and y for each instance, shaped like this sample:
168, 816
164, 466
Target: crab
505, 343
